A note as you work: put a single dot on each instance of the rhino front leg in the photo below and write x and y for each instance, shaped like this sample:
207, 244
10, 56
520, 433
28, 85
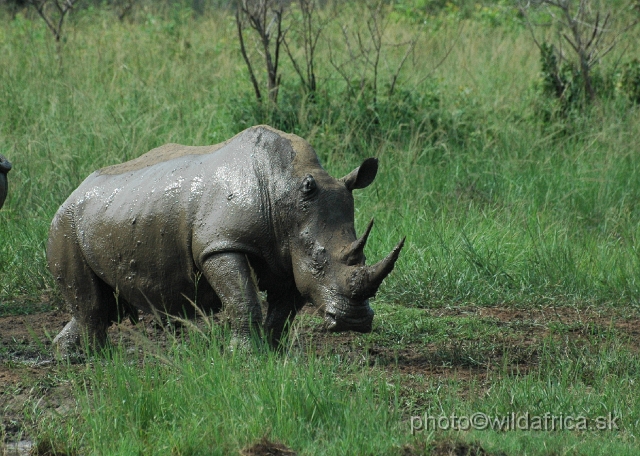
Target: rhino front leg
230, 276
283, 307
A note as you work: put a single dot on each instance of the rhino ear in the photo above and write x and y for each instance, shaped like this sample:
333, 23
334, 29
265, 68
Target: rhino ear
362, 176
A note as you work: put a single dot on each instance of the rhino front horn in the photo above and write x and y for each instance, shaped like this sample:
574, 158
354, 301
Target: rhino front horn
366, 280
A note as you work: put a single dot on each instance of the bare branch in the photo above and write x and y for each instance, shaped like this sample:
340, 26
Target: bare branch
585, 31
573, 45
394, 78
243, 50
265, 18
62, 7
446, 55
294, 62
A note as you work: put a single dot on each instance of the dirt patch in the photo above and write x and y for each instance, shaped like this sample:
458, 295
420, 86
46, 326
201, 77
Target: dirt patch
265, 447
31, 379
26, 339
455, 358
569, 323
458, 448
447, 447
29, 448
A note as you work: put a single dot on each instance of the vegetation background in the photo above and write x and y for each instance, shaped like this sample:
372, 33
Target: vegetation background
511, 196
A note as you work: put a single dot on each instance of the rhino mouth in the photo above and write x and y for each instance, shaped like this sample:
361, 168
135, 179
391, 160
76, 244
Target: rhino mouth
360, 321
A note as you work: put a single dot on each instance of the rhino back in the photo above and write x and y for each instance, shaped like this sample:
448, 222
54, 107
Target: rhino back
134, 228
146, 226
159, 155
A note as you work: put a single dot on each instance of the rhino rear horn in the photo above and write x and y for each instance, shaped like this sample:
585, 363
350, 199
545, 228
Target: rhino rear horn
362, 176
366, 280
355, 251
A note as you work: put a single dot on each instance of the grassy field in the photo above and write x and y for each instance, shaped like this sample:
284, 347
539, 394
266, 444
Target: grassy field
517, 290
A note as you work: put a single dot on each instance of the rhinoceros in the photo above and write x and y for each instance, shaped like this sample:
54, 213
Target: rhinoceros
5, 167
216, 225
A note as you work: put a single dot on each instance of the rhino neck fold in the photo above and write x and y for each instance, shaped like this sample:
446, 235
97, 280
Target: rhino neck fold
274, 225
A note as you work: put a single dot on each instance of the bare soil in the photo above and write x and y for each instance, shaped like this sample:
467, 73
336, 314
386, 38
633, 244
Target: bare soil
31, 379
265, 447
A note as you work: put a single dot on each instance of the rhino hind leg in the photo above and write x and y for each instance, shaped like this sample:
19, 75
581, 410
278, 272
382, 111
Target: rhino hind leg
93, 307
90, 300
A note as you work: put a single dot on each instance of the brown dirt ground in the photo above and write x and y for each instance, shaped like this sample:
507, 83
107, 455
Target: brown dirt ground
266, 447
30, 377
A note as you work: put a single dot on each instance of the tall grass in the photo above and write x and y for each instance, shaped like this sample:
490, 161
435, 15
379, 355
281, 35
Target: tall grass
195, 396
498, 206
106, 99
521, 216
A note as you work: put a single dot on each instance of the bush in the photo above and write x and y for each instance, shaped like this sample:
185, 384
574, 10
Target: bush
406, 113
629, 81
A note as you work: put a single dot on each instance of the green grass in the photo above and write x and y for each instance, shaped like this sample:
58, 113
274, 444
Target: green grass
500, 208
198, 397
496, 205
195, 396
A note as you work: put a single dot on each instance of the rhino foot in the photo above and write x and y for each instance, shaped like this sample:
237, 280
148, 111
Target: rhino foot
71, 340
68, 340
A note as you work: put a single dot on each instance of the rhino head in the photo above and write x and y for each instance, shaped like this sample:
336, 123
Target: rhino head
5, 167
328, 258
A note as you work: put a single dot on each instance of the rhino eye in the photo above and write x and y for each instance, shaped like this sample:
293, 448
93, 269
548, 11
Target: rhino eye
308, 185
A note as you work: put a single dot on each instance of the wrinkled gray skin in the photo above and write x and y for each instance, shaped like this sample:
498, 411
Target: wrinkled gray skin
148, 229
5, 167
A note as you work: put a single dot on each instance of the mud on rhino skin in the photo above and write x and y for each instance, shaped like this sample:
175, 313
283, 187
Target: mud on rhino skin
216, 225
5, 167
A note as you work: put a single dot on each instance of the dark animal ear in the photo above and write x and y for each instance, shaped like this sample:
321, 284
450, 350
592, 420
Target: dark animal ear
5, 165
362, 176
